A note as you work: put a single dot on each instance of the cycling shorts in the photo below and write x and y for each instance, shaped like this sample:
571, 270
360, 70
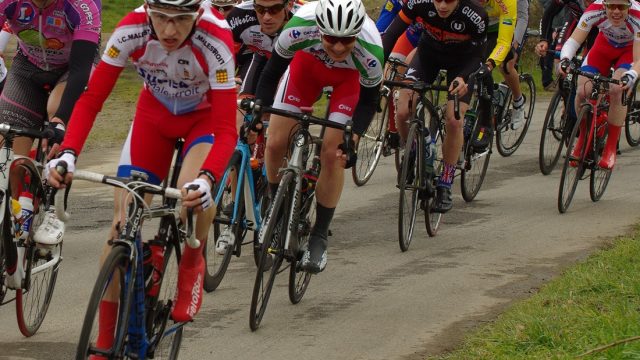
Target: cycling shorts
402, 48
304, 80
426, 64
24, 98
603, 56
153, 135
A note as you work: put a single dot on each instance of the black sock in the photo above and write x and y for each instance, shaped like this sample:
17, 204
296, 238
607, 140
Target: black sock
324, 215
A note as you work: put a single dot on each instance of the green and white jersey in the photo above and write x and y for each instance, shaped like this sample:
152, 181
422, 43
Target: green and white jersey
302, 33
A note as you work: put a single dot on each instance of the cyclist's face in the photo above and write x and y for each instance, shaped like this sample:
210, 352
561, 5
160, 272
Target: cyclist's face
172, 26
445, 7
617, 11
271, 14
338, 48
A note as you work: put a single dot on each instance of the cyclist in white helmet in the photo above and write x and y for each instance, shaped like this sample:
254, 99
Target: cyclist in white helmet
184, 53
326, 43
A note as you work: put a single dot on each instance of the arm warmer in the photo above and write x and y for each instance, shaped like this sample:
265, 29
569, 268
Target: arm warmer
397, 27
223, 114
366, 108
252, 76
268, 83
523, 20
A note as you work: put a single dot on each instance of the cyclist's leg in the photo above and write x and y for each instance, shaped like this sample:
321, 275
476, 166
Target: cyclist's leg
403, 50
421, 67
512, 78
617, 112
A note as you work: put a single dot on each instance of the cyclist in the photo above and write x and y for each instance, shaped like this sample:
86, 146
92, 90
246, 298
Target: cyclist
454, 39
57, 44
327, 43
224, 7
617, 46
184, 53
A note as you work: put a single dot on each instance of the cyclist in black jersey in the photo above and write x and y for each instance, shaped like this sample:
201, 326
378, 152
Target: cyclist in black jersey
454, 39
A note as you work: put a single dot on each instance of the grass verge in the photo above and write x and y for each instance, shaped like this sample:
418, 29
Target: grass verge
593, 304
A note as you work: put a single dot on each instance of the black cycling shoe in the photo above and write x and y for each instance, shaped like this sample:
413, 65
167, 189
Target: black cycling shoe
314, 259
394, 140
444, 202
482, 139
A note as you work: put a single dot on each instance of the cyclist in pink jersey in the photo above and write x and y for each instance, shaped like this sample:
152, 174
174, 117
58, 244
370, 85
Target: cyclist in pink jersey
184, 53
617, 46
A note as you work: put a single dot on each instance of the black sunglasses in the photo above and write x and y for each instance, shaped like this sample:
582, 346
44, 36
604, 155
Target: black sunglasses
272, 10
344, 40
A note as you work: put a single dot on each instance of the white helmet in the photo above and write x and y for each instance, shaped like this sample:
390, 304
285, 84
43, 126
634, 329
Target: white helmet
340, 17
187, 4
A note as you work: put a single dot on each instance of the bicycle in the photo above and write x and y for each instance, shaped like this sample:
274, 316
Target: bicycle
632, 121
377, 141
508, 139
143, 328
593, 114
36, 264
414, 184
284, 234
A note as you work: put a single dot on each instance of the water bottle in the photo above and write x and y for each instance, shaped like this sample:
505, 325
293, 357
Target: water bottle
26, 206
430, 154
469, 122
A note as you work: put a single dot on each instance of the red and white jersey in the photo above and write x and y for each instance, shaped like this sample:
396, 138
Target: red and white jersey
179, 79
617, 36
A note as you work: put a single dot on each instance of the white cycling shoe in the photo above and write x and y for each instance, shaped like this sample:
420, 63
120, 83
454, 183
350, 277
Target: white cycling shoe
51, 231
225, 241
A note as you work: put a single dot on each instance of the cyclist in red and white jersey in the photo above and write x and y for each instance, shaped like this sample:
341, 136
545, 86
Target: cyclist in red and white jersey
57, 45
184, 53
326, 43
617, 46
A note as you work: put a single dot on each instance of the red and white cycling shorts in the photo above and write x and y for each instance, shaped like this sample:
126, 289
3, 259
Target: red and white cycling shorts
603, 56
307, 76
153, 136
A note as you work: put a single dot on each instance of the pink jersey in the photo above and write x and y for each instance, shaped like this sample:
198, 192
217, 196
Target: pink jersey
617, 36
45, 35
179, 79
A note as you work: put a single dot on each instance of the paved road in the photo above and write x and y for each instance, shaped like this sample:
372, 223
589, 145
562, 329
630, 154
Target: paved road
372, 302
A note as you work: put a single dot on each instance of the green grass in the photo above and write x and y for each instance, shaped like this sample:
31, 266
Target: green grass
594, 303
114, 10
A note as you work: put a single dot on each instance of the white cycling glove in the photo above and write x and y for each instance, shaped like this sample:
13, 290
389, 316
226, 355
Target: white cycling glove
205, 189
67, 157
632, 76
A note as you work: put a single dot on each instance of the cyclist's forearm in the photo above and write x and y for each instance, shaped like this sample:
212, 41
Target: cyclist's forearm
268, 83
366, 108
397, 27
523, 20
223, 108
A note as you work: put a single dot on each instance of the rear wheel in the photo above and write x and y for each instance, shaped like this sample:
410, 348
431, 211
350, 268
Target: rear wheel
409, 184
573, 168
599, 178
370, 145
508, 140
474, 171
551, 139
632, 121
298, 279
112, 274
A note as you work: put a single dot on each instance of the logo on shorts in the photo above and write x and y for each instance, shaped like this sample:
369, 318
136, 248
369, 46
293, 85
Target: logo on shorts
26, 13
293, 98
457, 26
222, 76
344, 107
113, 52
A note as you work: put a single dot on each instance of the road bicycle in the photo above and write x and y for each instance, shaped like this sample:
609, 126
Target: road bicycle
36, 265
284, 235
244, 195
144, 328
378, 140
416, 184
632, 121
592, 117
508, 139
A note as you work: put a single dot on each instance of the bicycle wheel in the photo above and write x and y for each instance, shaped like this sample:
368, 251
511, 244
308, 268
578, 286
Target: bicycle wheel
217, 264
164, 334
409, 183
573, 167
298, 279
599, 178
632, 121
273, 232
508, 140
41, 263
370, 145
551, 138
112, 274
474, 170
432, 219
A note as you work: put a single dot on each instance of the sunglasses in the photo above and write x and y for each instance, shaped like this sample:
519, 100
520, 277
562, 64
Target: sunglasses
344, 40
272, 10
223, 8
621, 7
446, 1
180, 19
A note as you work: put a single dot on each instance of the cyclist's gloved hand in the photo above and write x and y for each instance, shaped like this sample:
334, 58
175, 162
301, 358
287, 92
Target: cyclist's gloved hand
351, 153
58, 132
55, 178
204, 189
629, 78
565, 65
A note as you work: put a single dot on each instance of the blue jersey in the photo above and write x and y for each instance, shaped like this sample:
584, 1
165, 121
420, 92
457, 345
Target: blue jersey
389, 11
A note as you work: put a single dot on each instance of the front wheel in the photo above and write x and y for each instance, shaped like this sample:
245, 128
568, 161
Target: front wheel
552, 137
474, 170
370, 145
573, 168
599, 178
112, 277
632, 121
409, 184
508, 140
298, 279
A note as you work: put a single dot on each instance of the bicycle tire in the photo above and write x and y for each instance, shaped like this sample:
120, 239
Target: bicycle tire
114, 266
298, 279
475, 169
632, 120
370, 145
216, 264
271, 257
572, 174
408, 204
599, 177
552, 135
432, 219
509, 140
167, 346
263, 201
41, 263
